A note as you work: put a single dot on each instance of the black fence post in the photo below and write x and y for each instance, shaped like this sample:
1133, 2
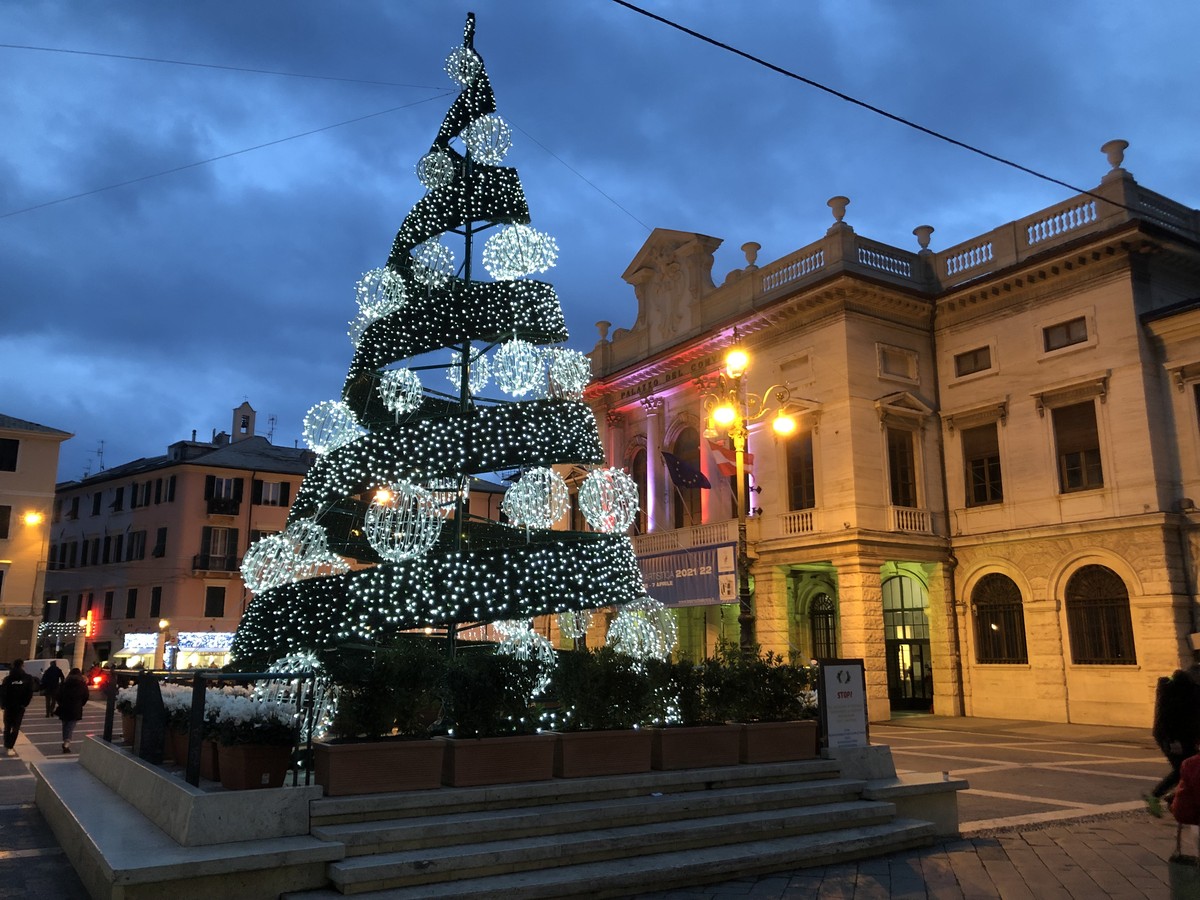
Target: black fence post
195, 731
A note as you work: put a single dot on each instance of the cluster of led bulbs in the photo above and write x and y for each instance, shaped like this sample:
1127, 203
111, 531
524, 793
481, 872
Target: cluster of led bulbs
644, 629
521, 368
298, 552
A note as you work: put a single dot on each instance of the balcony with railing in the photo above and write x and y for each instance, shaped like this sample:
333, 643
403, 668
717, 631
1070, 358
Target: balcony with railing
210, 562
223, 506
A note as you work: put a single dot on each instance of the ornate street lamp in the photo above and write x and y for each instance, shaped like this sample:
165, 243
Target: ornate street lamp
731, 407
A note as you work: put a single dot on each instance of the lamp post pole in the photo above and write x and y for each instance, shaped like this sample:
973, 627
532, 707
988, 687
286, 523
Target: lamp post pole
739, 433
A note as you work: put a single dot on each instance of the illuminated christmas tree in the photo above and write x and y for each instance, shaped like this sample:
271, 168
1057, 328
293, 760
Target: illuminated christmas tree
397, 456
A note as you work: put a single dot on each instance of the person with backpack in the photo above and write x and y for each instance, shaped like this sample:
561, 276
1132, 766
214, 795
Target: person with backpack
17, 690
1176, 730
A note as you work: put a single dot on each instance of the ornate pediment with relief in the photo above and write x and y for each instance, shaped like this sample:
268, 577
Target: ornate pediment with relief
902, 409
670, 275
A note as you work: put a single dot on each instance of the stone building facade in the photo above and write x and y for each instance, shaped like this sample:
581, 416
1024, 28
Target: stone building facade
989, 498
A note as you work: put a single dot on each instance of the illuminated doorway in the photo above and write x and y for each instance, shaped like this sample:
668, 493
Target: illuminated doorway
906, 637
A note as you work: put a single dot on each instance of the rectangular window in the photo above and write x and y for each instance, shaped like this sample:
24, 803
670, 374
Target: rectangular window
1064, 334
72, 549
219, 545
74, 513
977, 360
801, 481
981, 460
57, 516
155, 602
137, 546
8, 454
108, 605
5, 515
157, 490
222, 488
95, 551
214, 602
118, 546
96, 498
1078, 444
270, 493
902, 468
160, 543
171, 489
131, 604
104, 557
118, 503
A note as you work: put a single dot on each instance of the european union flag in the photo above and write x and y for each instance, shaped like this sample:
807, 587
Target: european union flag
684, 474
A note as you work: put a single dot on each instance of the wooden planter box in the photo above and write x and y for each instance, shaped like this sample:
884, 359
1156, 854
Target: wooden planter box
579, 754
210, 766
500, 760
375, 767
128, 724
248, 766
694, 746
765, 742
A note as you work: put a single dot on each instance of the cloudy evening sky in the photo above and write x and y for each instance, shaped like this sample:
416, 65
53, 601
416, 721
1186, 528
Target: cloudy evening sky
133, 315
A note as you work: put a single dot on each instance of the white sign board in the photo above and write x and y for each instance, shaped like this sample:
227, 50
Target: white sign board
843, 703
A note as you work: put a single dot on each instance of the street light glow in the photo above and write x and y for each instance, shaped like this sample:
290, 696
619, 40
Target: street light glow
724, 415
784, 424
33, 517
736, 362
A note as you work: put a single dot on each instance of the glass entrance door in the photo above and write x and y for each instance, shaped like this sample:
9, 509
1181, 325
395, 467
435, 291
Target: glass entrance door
906, 637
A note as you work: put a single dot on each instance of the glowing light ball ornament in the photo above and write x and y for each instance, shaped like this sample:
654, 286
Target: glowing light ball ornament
463, 65
538, 500
330, 424
287, 690
268, 563
380, 292
310, 551
570, 372
446, 492
520, 641
489, 138
478, 377
575, 624
434, 263
609, 500
403, 522
400, 390
518, 367
435, 169
518, 250
643, 629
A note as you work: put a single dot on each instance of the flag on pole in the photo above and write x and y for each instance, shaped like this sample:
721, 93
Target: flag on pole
684, 474
727, 458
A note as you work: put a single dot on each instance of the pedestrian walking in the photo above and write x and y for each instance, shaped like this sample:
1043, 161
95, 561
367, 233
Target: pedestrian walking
52, 678
71, 697
1176, 730
17, 691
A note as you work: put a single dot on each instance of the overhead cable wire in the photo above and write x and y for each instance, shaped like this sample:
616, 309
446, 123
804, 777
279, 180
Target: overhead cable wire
212, 159
868, 106
199, 65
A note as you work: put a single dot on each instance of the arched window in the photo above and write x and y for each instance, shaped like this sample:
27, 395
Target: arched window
999, 620
637, 469
1098, 621
821, 616
686, 501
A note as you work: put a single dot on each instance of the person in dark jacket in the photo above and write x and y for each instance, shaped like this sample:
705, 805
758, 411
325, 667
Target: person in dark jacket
71, 697
17, 689
51, 679
1176, 729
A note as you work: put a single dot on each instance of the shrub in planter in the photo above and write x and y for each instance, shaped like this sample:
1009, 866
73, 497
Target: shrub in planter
488, 695
396, 689
756, 688
599, 690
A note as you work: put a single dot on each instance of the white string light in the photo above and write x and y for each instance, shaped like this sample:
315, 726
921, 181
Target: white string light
463, 65
400, 390
489, 138
570, 372
520, 641
478, 377
518, 250
538, 500
329, 425
518, 367
608, 499
402, 521
433, 263
644, 629
574, 624
435, 169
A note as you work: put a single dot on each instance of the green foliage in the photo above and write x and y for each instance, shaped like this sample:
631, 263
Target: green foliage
394, 689
488, 695
755, 688
600, 690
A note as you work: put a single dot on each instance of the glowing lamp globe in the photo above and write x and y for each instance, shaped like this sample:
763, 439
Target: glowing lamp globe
724, 415
736, 362
783, 424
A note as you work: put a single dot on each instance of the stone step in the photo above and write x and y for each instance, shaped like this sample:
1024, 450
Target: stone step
662, 871
381, 836
497, 857
335, 810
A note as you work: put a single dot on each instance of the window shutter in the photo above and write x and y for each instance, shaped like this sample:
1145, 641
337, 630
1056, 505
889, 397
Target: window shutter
171, 489
210, 483
205, 539
237, 489
285, 488
256, 489
232, 547
157, 490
